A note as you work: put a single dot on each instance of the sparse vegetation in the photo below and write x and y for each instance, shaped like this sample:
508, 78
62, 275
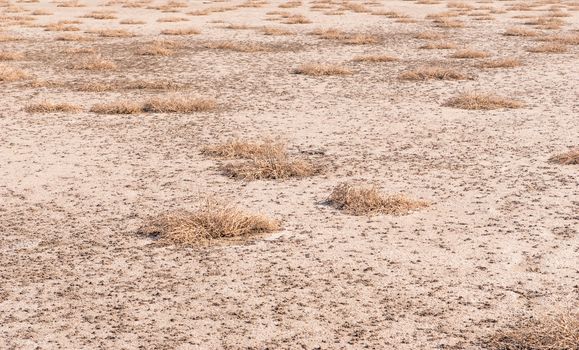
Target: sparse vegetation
368, 200
213, 221
8, 73
433, 72
502, 63
51, 107
566, 158
542, 332
321, 69
476, 100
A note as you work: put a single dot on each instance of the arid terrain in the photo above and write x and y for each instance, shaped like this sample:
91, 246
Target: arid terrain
266, 174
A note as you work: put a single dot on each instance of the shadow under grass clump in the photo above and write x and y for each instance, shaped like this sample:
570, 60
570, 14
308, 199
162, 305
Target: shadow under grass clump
368, 200
213, 221
548, 332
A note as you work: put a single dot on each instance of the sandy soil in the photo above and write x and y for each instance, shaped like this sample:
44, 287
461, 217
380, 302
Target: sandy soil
499, 240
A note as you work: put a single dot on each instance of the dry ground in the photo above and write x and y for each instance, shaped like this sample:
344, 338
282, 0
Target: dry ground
498, 240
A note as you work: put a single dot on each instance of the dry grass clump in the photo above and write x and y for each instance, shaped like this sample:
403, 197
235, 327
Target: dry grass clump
179, 104
444, 22
321, 69
50, 107
368, 200
267, 159
113, 33
429, 35
213, 221
167, 104
469, 53
520, 32
485, 101
132, 21
567, 158
101, 15
274, 165
297, 19
158, 48
4, 38
276, 31
118, 107
8, 74
181, 31
71, 37
41, 13
237, 46
433, 73
507, 62
240, 149
95, 87
10, 56
375, 58
443, 45
548, 48
94, 63
543, 332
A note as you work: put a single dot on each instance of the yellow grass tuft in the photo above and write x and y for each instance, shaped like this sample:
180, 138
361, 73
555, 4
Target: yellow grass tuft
8, 74
276, 31
486, 101
507, 62
520, 32
240, 149
548, 48
213, 221
113, 33
179, 104
118, 107
320, 69
181, 31
94, 63
10, 56
51, 107
267, 159
167, 104
567, 158
237, 46
368, 200
469, 53
375, 58
543, 332
433, 73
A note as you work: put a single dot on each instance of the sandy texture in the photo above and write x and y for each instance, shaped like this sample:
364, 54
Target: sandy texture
499, 239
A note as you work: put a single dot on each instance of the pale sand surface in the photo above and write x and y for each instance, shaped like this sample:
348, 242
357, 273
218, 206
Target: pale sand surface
500, 238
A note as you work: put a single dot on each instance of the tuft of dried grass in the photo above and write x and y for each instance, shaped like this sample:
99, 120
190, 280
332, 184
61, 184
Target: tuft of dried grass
237, 46
8, 74
118, 107
469, 53
179, 104
132, 21
433, 73
241, 149
507, 62
267, 159
485, 101
181, 31
548, 48
443, 45
368, 200
320, 69
297, 19
375, 58
520, 32
542, 332
94, 63
157, 48
10, 56
51, 107
568, 158
214, 220
429, 35
113, 33
276, 31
